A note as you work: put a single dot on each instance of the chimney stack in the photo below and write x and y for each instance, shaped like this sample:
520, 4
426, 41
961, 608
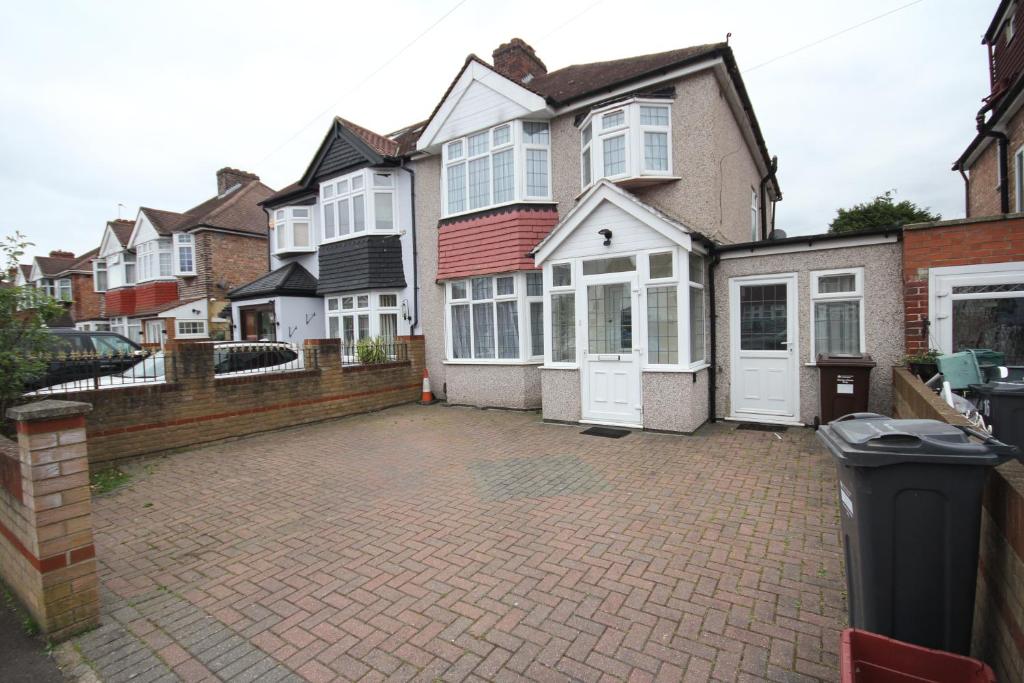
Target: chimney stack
517, 60
59, 253
229, 177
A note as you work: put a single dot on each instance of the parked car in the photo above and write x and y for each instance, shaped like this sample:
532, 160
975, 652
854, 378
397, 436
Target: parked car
80, 355
229, 359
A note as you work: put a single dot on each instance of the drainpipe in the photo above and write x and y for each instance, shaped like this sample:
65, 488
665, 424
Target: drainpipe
415, 264
1002, 146
772, 168
713, 319
967, 191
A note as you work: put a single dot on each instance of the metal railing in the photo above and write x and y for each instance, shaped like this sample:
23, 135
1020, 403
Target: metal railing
377, 351
240, 359
65, 373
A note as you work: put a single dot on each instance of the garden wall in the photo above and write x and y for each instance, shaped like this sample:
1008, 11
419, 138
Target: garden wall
194, 407
998, 638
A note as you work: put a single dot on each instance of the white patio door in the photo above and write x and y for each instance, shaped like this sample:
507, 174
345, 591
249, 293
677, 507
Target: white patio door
763, 331
610, 374
155, 332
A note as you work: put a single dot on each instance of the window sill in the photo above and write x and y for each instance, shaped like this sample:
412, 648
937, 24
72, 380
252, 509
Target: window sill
162, 278
491, 361
564, 366
361, 233
491, 207
680, 369
632, 182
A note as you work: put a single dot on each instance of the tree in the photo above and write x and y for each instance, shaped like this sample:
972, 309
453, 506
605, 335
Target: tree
881, 212
24, 314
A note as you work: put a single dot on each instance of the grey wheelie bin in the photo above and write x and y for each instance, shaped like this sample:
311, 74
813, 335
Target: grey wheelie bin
910, 505
1002, 405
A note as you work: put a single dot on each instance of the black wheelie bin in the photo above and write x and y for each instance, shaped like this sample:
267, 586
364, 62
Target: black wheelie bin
910, 507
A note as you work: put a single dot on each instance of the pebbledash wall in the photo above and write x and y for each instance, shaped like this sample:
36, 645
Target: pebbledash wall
194, 407
998, 633
963, 242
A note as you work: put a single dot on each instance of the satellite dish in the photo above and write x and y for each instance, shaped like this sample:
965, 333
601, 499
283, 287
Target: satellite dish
777, 234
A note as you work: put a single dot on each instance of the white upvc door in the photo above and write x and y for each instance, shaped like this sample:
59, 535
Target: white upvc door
155, 332
611, 356
764, 356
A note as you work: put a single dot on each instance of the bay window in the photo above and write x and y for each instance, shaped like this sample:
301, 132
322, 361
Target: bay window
500, 165
628, 140
184, 254
48, 286
99, 275
293, 231
496, 318
63, 289
837, 313
154, 259
358, 202
353, 317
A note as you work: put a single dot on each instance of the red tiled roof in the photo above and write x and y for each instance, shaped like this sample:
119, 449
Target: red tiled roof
122, 230
51, 265
83, 262
237, 210
26, 270
493, 243
380, 144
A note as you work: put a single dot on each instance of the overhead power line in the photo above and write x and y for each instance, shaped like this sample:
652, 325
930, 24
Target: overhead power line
833, 35
363, 82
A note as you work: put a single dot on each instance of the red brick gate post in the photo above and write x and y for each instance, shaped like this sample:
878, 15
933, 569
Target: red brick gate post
46, 550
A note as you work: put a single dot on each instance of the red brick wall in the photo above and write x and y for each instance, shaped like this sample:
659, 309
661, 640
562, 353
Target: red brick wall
960, 244
86, 304
227, 261
118, 302
984, 174
155, 293
194, 408
494, 243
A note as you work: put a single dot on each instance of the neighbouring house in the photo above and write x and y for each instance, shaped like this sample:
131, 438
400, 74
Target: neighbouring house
167, 276
342, 248
68, 279
964, 279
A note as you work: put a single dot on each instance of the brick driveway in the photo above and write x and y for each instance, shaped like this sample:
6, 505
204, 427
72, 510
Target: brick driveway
445, 543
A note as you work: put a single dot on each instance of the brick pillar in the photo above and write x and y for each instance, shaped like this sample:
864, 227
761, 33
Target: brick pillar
328, 353
48, 556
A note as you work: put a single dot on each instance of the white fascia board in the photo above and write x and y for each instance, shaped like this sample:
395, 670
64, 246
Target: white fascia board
606, 191
37, 272
528, 100
813, 245
135, 230
109, 244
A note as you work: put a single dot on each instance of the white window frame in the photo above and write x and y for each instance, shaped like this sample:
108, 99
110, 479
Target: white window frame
99, 266
201, 333
634, 131
342, 188
941, 282
334, 309
550, 290
184, 243
516, 143
702, 286
285, 218
148, 264
856, 295
59, 287
523, 301
48, 285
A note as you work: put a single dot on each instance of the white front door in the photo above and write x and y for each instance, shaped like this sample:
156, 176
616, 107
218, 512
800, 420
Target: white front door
763, 330
155, 332
610, 374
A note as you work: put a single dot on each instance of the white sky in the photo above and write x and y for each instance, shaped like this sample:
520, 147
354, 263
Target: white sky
140, 103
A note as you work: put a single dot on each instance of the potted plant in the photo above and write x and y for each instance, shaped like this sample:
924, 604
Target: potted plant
923, 364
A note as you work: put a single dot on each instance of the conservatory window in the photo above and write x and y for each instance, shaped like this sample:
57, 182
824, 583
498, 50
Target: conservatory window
496, 166
353, 317
629, 141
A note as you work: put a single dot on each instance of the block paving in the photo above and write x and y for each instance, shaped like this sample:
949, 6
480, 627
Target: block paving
438, 543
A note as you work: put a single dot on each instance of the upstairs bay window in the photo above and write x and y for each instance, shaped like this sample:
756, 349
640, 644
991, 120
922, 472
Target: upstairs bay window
184, 254
63, 289
120, 270
293, 231
357, 203
501, 165
496, 318
626, 141
154, 259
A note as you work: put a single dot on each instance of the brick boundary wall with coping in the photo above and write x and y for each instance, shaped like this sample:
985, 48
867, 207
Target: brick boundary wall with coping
962, 242
193, 407
998, 634
47, 556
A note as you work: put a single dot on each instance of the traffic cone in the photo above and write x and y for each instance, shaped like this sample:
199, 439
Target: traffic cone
427, 397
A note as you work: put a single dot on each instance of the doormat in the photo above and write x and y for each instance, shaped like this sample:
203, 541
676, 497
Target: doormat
607, 432
754, 427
